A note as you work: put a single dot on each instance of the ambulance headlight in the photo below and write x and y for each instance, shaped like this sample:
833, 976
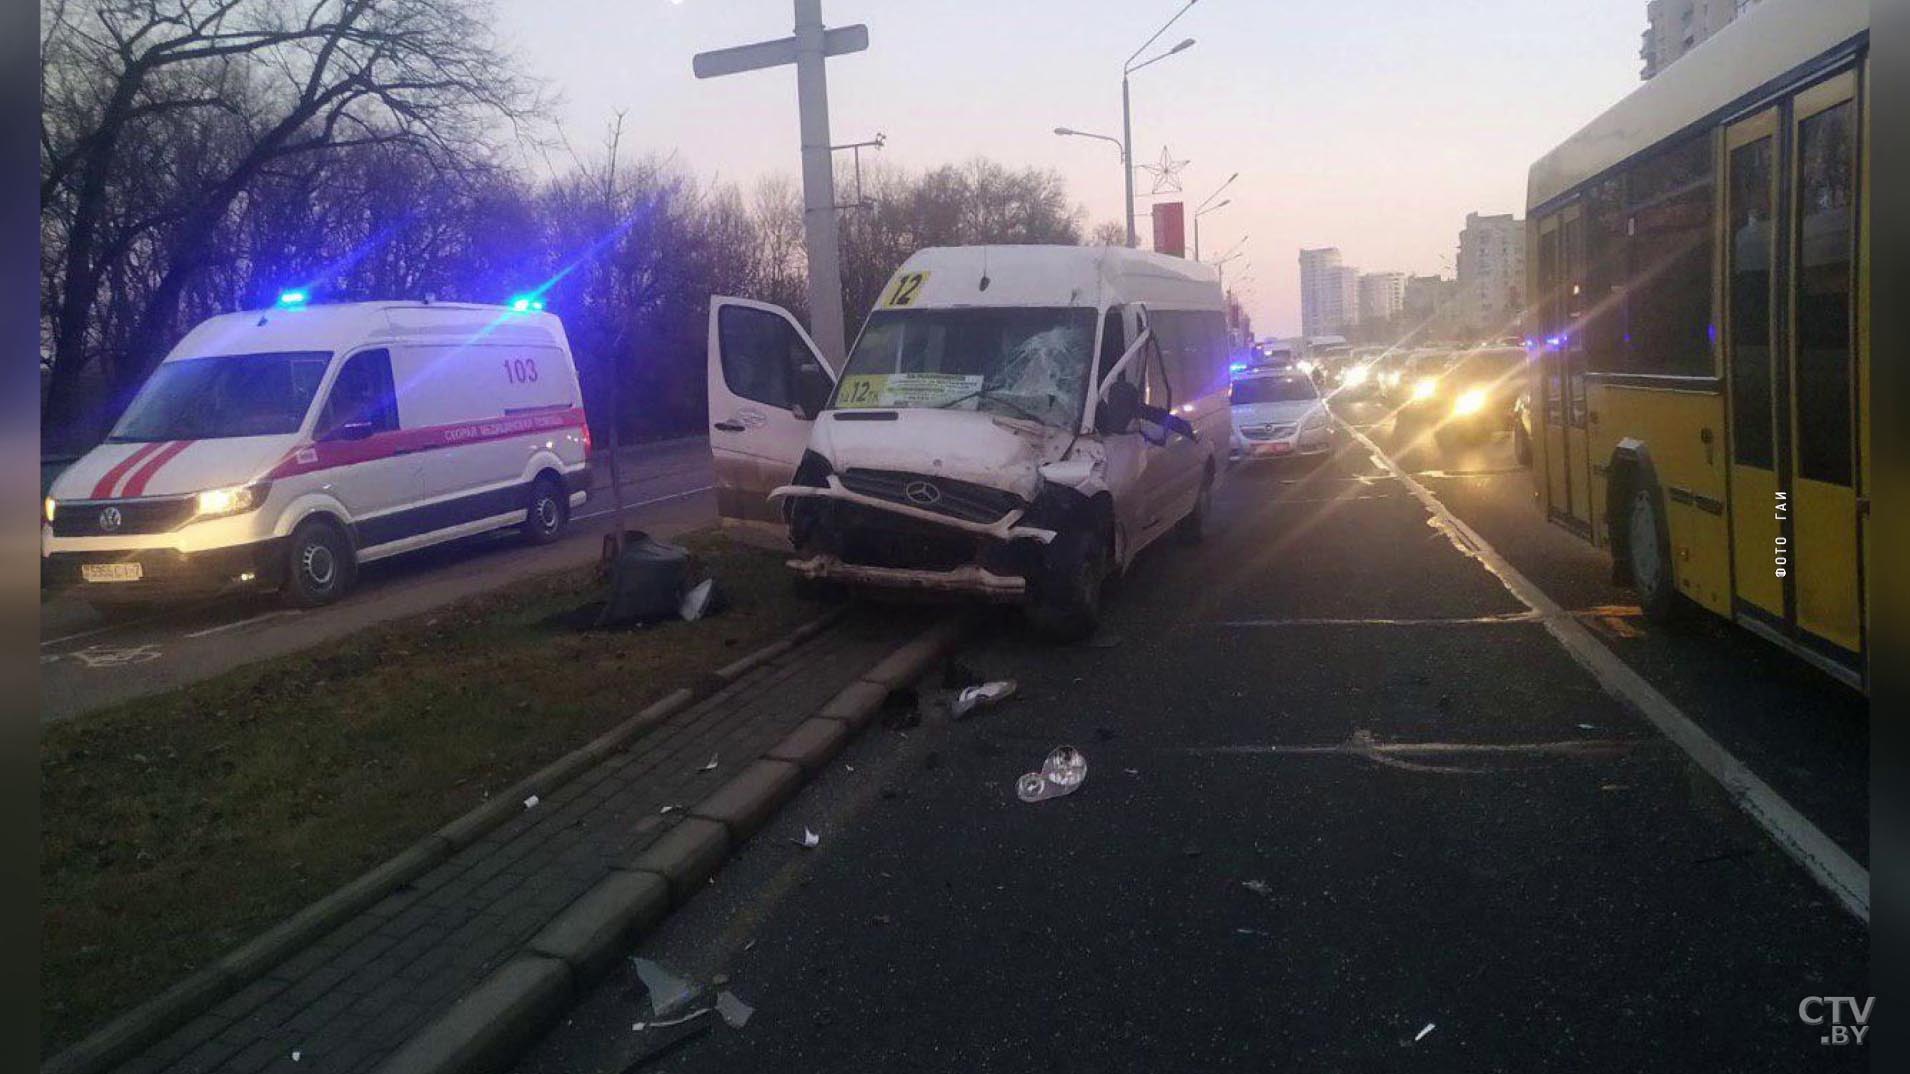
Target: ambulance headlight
1469, 403
1425, 388
231, 501
50, 507
1355, 376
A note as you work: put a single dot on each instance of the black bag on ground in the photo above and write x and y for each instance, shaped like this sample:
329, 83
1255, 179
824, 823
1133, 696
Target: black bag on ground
646, 582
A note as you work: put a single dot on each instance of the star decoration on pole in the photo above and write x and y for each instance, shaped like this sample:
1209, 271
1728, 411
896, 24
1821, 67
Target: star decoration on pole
1166, 173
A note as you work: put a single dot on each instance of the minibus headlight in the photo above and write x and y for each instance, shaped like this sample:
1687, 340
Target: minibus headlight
1425, 388
1469, 402
231, 501
51, 507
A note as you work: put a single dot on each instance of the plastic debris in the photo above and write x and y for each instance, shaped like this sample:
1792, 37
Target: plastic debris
1062, 773
668, 809
1587, 727
1422, 1033
1258, 887
711, 767
702, 599
973, 697
667, 990
531, 802
733, 1010
295, 1056
810, 839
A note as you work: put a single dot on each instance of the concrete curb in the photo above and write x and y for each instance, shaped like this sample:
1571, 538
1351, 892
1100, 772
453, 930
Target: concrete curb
488, 1028
119, 1039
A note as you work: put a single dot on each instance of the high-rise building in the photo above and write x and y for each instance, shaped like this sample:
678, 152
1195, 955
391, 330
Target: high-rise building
1675, 27
1382, 296
1329, 292
1491, 274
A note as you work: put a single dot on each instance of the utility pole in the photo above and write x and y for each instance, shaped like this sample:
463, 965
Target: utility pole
807, 49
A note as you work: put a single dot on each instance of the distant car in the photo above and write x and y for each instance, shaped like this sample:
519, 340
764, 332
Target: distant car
1279, 413
1473, 398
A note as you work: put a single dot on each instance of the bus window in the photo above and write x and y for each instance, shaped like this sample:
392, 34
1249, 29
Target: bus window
1749, 310
1825, 191
1668, 301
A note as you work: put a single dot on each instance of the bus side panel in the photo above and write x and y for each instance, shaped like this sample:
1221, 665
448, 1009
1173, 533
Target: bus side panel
1690, 475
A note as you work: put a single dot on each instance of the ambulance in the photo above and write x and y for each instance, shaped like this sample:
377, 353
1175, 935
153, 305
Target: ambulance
279, 449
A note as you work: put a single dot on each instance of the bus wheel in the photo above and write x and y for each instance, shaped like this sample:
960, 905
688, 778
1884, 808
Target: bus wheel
321, 564
1648, 549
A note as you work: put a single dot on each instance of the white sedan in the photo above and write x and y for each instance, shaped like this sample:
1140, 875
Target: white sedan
1278, 413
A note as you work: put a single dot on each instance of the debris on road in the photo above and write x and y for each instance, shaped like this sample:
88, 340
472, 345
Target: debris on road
531, 802
1258, 887
665, 1047
711, 767
1062, 773
668, 809
702, 599
810, 839
733, 1010
973, 697
1422, 1033
667, 990
295, 1056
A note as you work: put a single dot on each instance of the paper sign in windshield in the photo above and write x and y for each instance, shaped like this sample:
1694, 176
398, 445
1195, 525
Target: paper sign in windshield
906, 389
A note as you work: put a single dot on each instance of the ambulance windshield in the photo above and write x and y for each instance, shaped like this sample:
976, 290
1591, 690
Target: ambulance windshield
227, 396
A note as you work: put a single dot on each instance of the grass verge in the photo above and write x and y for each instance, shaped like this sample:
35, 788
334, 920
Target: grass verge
176, 827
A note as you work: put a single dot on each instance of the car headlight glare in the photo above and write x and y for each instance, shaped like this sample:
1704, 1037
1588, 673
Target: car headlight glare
1356, 376
231, 501
1425, 389
1469, 402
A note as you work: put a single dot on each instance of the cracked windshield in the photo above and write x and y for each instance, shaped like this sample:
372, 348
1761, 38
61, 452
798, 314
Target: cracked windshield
835, 535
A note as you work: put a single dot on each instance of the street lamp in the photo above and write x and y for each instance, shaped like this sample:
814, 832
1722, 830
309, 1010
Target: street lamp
1127, 115
1070, 132
1204, 208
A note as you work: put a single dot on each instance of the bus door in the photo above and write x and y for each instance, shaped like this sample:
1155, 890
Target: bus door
1551, 402
1751, 343
1571, 306
1823, 408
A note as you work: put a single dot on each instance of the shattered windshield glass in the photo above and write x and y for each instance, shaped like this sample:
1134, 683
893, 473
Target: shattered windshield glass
1023, 362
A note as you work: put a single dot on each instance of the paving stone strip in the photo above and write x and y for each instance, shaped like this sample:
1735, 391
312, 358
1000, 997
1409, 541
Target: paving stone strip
461, 921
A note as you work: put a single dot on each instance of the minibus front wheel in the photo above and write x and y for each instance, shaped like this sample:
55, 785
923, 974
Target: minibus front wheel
1066, 602
320, 564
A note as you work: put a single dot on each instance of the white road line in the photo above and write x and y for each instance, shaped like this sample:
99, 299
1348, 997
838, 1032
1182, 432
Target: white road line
223, 627
646, 503
1473, 620
1829, 863
96, 630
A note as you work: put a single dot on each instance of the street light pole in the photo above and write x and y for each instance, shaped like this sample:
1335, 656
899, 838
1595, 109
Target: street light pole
1119, 147
1203, 208
1127, 115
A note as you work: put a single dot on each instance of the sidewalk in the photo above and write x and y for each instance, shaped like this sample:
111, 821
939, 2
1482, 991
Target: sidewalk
352, 998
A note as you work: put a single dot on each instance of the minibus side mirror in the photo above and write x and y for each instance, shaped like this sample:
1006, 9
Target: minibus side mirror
1118, 409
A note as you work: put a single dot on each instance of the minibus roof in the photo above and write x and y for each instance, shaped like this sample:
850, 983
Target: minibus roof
1056, 276
346, 325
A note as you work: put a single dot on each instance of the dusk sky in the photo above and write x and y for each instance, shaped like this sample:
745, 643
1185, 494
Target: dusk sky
1372, 126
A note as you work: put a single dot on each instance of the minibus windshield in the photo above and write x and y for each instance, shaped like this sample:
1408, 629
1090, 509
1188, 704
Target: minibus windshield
225, 396
1024, 362
1280, 389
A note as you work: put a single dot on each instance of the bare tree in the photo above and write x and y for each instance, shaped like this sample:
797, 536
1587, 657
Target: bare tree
257, 83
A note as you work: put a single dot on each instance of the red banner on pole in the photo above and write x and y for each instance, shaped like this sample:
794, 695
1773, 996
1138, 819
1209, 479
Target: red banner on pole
1170, 229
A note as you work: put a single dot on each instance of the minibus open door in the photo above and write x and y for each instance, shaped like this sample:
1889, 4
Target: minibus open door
767, 383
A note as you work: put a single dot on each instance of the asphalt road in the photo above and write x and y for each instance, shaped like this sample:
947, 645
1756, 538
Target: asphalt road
88, 663
1347, 808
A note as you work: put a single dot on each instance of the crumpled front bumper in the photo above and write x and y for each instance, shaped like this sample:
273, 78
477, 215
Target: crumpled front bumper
970, 580
1005, 528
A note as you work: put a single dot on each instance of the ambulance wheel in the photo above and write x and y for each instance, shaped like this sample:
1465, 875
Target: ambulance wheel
1198, 522
320, 564
549, 511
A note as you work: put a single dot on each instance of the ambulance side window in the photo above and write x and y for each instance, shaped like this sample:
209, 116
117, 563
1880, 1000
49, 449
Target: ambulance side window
362, 395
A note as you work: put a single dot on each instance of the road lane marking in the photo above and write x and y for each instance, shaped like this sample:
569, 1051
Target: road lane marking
645, 503
223, 627
1475, 620
1827, 862
95, 656
1362, 744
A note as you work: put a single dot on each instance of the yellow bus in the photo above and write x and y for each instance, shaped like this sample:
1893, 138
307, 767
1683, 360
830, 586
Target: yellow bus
1699, 261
